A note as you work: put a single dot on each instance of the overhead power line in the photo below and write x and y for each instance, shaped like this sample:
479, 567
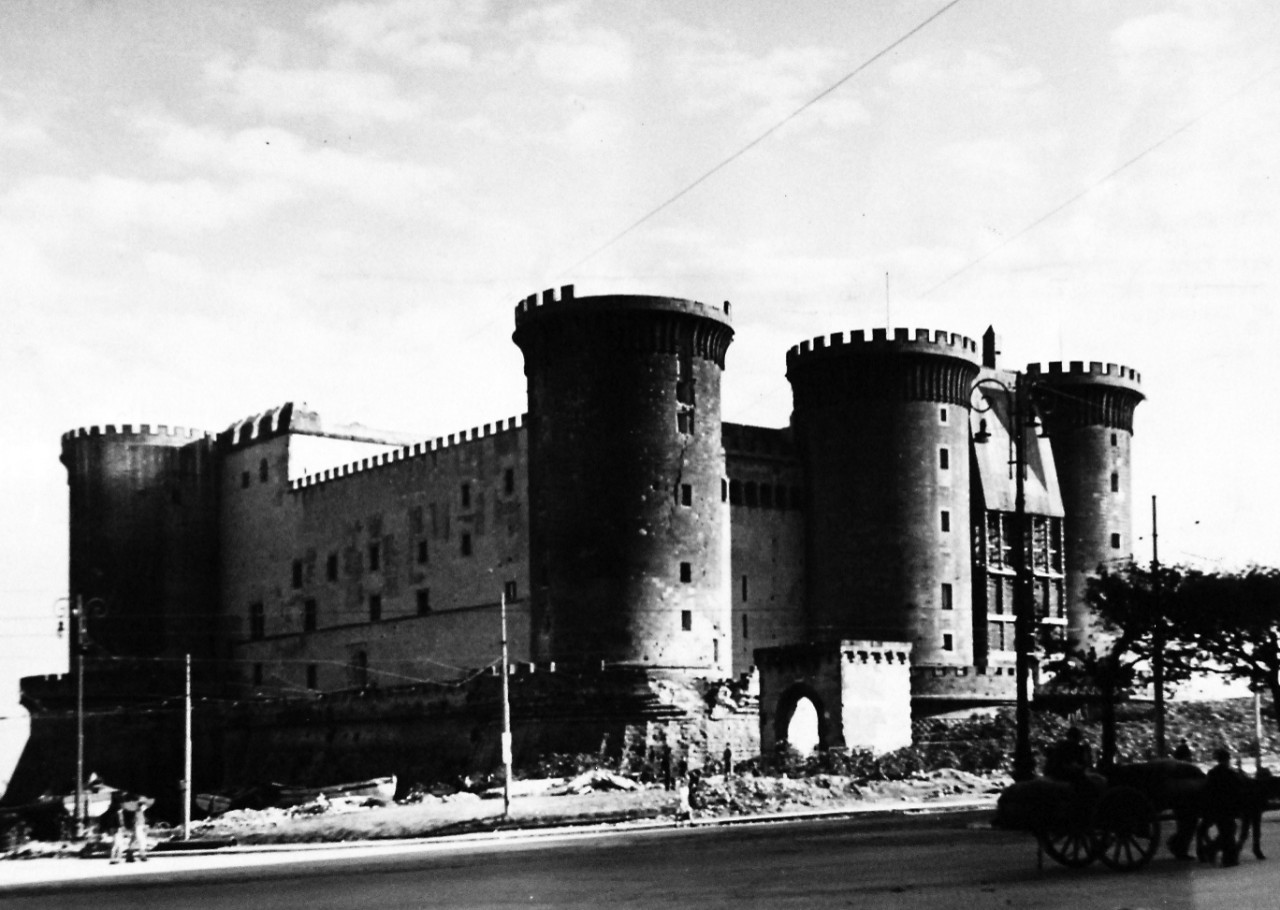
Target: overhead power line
1104, 178
763, 136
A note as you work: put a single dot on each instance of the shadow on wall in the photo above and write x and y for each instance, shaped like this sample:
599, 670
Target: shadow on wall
15, 730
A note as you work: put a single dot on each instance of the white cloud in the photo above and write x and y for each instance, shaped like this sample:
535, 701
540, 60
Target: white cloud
55, 206
21, 132
286, 160
337, 94
422, 33
1170, 31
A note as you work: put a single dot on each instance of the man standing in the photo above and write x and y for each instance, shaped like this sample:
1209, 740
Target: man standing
1224, 800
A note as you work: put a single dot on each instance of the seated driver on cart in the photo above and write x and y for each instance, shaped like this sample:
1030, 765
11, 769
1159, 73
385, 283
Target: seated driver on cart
1069, 758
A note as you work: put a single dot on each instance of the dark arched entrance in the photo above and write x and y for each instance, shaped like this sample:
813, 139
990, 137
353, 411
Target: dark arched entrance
795, 697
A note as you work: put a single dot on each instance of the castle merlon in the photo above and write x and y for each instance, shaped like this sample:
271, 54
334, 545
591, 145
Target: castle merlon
932, 341
1109, 373
533, 305
407, 453
144, 429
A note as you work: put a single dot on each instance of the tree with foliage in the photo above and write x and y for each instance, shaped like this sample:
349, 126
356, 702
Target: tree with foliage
1136, 612
1233, 620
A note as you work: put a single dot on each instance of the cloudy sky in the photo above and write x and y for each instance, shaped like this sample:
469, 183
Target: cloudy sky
207, 209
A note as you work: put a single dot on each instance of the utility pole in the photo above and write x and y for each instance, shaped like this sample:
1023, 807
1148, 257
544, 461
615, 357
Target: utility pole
506, 714
77, 613
1024, 762
186, 758
1157, 635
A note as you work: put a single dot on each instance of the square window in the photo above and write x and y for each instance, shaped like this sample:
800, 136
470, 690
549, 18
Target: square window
947, 603
375, 607
948, 643
331, 567
1115, 541
686, 494
423, 599
686, 620
466, 544
944, 459
946, 521
422, 552
375, 557
309, 611
297, 573
686, 571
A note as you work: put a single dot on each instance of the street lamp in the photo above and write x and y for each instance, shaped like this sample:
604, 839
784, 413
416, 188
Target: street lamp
79, 612
1024, 762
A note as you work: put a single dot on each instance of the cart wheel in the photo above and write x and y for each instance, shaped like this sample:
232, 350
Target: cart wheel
1071, 847
1128, 829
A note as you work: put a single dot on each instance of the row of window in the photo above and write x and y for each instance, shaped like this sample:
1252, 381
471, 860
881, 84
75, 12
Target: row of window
374, 559
311, 609
357, 671
762, 495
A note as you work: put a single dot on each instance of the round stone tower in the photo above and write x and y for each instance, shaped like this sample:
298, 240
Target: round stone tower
1088, 415
629, 520
882, 428
143, 549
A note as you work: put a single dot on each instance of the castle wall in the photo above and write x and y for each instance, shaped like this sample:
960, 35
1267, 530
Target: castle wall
626, 468
766, 504
387, 569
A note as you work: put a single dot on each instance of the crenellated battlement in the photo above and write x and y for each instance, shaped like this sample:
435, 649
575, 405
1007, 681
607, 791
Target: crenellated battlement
162, 430
928, 341
549, 301
427, 449
1076, 372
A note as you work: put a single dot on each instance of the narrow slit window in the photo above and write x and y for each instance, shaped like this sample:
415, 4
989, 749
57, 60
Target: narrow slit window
375, 557
257, 674
375, 607
946, 521
744, 589
686, 620
422, 552
264, 471
509, 481
686, 494
309, 611
466, 544
947, 602
466, 495
297, 573
944, 459
1115, 483
1115, 541
423, 598
948, 643
311, 677
331, 567
686, 572
745, 628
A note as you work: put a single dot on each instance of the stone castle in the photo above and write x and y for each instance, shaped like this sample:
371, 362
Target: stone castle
862, 556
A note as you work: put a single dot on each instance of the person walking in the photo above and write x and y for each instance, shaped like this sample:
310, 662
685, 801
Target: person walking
116, 817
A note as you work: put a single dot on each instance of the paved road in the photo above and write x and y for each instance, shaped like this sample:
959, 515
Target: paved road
900, 863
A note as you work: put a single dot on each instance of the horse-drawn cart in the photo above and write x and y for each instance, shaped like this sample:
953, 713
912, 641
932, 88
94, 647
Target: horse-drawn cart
1115, 819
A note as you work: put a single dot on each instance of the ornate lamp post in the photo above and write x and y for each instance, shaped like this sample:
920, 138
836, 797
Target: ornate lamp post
1024, 762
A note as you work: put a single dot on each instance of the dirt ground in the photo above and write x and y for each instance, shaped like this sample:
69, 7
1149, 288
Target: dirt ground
583, 800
